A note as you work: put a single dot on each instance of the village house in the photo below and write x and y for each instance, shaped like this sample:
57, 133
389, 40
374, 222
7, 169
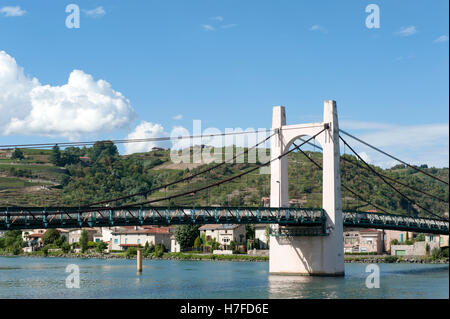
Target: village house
363, 241
75, 235
33, 237
419, 248
64, 232
123, 238
174, 245
224, 234
6, 153
85, 159
261, 240
265, 201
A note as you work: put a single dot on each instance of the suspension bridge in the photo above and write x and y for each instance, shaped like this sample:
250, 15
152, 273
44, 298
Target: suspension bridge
304, 241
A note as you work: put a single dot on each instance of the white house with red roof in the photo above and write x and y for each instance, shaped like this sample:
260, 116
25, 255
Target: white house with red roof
225, 233
124, 237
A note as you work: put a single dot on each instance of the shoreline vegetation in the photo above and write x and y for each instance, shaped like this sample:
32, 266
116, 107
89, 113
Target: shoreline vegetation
237, 257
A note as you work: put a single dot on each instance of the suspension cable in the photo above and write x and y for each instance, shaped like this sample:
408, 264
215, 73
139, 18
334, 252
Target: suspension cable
345, 187
395, 158
384, 180
150, 139
389, 178
210, 185
398, 182
182, 179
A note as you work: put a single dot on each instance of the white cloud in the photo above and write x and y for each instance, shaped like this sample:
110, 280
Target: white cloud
82, 106
218, 18
12, 11
415, 144
442, 38
178, 117
356, 125
143, 131
365, 157
208, 27
99, 11
406, 31
178, 144
227, 26
320, 28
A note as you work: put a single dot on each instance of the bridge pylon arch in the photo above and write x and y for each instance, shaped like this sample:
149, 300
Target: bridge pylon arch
308, 255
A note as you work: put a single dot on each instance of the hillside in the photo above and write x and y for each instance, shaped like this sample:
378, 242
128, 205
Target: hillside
37, 181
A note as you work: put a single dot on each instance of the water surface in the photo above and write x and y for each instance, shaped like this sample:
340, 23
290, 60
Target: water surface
24, 277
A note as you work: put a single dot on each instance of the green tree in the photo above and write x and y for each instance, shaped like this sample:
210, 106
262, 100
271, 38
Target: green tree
250, 231
146, 250
55, 156
197, 242
65, 247
267, 234
436, 253
131, 252
232, 245
420, 237
186, 235
101, 246
103, 149
50, 236
18, 154
84, 241
214, 244
60, 241
159, 250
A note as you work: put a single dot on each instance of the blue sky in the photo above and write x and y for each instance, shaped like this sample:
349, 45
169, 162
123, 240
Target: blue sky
228, 62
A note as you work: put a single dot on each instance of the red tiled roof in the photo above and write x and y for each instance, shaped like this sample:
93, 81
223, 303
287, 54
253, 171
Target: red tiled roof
219, 226
35, 235
152, 230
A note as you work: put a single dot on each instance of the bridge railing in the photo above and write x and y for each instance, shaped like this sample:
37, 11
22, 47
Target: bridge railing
395, 222
26, 218
39, 217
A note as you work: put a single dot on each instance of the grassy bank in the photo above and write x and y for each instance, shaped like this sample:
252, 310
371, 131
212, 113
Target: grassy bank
171, 256
191, 256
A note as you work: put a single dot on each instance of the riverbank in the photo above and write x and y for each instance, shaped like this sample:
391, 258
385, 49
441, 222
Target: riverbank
189, 256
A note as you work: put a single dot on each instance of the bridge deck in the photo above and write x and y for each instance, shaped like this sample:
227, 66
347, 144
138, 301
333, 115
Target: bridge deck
69, 217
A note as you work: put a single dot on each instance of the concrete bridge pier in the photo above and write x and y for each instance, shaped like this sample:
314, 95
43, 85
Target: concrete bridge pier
308, 255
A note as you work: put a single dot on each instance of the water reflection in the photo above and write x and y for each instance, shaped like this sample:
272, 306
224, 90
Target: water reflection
45, 278
300, 287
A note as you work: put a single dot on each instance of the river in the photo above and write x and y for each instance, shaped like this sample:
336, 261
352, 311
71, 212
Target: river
25, 277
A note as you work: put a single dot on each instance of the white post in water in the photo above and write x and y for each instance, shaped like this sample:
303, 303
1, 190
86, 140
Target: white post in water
308, 255
139, 261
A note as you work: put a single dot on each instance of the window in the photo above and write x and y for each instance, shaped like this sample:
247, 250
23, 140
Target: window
400, 253
126, 240
116, 241
138, 241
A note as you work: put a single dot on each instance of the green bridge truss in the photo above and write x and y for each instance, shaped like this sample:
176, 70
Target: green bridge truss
313, 221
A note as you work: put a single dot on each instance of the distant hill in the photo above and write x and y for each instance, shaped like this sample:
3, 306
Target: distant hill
80, 176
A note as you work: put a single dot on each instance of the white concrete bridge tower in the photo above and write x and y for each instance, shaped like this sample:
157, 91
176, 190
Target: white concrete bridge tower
308, 255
